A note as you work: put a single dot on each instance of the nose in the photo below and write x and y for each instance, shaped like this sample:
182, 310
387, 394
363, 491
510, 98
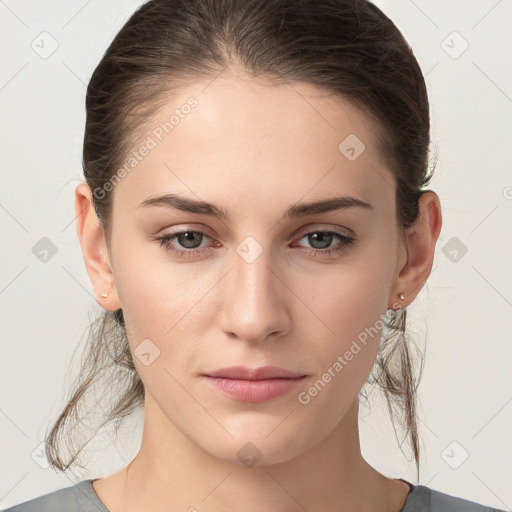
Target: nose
255, 297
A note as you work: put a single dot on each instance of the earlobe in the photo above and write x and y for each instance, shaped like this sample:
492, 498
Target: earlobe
94, 249
421, 239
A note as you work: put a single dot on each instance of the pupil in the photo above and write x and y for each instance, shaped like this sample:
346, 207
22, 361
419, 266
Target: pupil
188, 237
325, 238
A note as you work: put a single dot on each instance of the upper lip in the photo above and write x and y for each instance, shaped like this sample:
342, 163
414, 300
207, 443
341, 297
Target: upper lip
246, 373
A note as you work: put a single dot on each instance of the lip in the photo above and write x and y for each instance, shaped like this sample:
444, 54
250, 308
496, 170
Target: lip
260, 390
246, 373
254, 385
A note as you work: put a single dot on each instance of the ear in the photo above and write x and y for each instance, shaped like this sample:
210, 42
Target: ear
421, 238
94, 249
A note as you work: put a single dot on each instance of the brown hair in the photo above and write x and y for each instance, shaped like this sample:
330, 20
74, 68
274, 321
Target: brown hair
348, 47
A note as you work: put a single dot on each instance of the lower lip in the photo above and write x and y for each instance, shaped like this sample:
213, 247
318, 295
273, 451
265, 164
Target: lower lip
254, 390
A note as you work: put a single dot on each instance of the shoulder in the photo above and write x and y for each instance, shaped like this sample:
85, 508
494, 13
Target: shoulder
79, 497
425, 499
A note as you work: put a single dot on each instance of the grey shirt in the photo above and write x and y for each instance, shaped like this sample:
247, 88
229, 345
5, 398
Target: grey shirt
82, 497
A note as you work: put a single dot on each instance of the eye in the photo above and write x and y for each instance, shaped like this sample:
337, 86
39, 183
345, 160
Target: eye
188, 239
321, 240
190, 242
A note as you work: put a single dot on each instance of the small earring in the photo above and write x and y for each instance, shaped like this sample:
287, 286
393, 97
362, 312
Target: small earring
104, 295
401, 296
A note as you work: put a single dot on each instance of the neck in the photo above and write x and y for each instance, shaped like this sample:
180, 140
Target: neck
170, 471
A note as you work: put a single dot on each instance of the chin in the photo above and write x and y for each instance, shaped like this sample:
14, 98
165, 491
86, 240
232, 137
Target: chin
254, 449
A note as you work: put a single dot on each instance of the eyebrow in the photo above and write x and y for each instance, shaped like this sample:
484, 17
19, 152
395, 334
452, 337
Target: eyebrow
295, 211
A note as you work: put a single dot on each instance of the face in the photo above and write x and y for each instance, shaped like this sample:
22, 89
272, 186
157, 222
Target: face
255, 287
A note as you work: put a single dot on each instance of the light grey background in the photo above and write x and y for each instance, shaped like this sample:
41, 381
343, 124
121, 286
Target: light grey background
464, 313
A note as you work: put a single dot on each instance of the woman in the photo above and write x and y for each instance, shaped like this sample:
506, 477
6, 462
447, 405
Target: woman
253, 216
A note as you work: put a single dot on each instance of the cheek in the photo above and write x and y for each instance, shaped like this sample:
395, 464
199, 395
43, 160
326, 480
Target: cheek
346, 299
152, 290
163, 301
345, 315
344, 360
338, 306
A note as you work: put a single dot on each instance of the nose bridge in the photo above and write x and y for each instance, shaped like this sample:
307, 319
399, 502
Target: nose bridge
253, 306
253, 268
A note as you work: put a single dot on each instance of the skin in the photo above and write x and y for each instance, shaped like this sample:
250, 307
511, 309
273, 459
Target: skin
254, 150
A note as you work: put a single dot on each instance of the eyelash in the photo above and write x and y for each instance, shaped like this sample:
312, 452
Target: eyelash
346, 242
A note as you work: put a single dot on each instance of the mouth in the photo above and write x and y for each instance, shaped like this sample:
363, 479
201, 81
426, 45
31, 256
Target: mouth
246, 373
254, 385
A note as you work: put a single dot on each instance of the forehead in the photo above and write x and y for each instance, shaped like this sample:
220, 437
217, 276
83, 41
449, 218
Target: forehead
235, 137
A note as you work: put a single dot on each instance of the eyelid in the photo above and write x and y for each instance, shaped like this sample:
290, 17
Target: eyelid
326, 227
346, 238
304, 230
186, 228
346, 242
